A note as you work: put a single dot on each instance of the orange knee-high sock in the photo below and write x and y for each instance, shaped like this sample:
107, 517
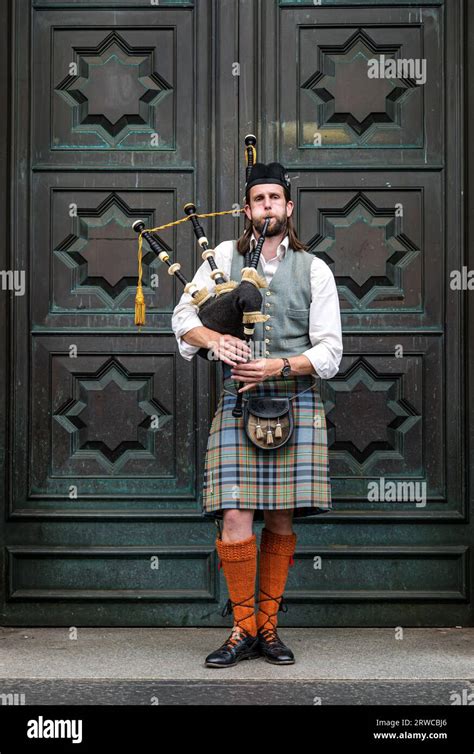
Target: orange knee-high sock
276, 555
239, 562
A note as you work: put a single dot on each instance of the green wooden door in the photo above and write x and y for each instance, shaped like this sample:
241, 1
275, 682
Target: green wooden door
126, 110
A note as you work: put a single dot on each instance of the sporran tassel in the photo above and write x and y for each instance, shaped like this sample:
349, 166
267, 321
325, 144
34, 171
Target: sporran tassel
269, 436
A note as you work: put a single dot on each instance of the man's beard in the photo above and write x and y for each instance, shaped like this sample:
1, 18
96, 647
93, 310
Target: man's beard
277, 226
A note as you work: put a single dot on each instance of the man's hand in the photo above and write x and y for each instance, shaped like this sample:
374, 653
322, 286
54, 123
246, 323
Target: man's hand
230, 349
256, 371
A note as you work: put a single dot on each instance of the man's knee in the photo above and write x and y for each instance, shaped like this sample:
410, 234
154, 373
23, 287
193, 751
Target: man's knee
280, 522
237, 524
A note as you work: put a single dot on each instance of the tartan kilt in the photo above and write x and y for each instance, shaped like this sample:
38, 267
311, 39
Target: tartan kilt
295, 477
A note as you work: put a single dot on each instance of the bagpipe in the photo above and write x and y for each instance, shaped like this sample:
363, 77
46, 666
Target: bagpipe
233, 307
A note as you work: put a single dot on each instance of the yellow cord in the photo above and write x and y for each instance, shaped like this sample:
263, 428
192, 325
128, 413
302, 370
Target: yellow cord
140, 308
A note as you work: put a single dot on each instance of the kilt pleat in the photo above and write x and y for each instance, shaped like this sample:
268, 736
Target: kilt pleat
295, 477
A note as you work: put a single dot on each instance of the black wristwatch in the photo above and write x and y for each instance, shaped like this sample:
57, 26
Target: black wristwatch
286, 371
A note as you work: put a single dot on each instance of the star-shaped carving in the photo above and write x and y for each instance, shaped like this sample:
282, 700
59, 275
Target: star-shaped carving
367, 416
95, 426
366, 249
115, 90
345, 92
99, 253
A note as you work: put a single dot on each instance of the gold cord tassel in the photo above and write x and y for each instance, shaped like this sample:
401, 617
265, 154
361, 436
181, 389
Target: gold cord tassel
269, 436
258, 432
278, 429
140, 307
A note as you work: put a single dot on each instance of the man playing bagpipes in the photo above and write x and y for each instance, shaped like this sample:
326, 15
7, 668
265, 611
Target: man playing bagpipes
272, 464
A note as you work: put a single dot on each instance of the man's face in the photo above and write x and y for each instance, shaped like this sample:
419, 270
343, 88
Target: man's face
268, 200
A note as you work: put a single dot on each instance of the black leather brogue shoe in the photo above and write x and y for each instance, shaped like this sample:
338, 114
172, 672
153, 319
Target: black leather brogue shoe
270, 645
273, 649
239, 646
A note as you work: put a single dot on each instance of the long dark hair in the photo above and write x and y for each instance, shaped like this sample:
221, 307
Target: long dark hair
243, 243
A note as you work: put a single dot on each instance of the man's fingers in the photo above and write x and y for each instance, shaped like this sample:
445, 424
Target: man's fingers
247, 387
232, 352
236, 354
247, 377
255, 373
238, 359
234, 349
241, 355
229, 359
239, 370
240, 347
225, 354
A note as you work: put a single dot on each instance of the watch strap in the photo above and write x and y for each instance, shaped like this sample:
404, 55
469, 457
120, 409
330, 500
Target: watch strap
286, 363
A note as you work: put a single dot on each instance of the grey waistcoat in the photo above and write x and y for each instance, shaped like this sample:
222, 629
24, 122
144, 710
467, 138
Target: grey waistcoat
287, 300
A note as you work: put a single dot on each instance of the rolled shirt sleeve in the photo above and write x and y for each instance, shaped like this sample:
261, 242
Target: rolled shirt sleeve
182, 321
185, 314
325, 332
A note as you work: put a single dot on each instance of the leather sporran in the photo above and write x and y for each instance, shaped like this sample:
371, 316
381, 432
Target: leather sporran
268, 421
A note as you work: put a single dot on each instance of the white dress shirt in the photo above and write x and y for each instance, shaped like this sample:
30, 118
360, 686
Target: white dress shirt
324, 316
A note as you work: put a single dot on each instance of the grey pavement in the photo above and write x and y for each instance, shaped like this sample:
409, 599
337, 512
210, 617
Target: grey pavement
166, 665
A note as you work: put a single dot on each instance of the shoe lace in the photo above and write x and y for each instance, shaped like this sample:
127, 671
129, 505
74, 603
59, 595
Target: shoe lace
270, 634
238, 631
